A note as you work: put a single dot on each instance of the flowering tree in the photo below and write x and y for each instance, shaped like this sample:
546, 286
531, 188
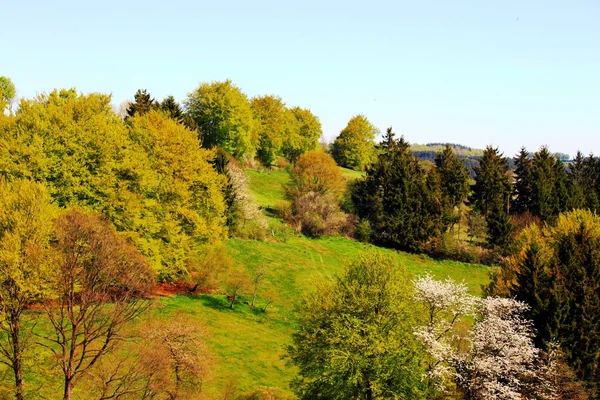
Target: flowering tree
498, 360
445, 302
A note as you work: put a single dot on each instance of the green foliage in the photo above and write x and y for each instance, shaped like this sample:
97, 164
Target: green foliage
149, 176
172, 108
181, 194
399, 199
303, 133
491, 195
26, 218
354, 147
273, 126
142, 104
454, 184
7, 92
355, 337
523, 187
557, 272
224, 118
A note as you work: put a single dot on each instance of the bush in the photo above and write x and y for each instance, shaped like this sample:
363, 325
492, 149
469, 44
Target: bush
316, 214
363, 231
209, 267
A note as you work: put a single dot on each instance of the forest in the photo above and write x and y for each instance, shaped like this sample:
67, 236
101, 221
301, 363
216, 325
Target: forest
217, 248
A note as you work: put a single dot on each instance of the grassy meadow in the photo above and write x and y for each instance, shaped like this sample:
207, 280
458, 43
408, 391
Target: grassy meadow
247, 343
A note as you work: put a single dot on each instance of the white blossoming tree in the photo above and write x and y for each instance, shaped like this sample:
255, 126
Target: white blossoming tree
498, 361
445, 302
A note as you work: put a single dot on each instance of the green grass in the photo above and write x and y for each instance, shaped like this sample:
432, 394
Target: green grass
248, 344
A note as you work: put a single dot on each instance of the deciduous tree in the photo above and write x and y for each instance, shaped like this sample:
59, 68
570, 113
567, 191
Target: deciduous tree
26, 216
355, 145
354, 337
98, 285
224, 118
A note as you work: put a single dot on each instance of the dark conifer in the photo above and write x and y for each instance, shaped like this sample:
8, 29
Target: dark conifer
143, 103
523, 183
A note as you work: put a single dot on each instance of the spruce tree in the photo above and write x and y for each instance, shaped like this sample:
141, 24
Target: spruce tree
543, 196
491, 195
142, 104
454, 184
523, 183
172, 108
398, 198
575, 173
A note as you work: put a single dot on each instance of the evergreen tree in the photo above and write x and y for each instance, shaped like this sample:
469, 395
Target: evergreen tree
142, 104
576, 182
591, 181
398, 199
544, 202
491, 195
562, 197
523, 183
454, 184
172, 108
557, 272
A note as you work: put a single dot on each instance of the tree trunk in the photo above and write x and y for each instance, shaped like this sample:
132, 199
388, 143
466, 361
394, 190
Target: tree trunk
253, 298
68, 389
16, 348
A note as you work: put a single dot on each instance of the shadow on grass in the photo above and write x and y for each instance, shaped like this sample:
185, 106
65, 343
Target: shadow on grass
216, 303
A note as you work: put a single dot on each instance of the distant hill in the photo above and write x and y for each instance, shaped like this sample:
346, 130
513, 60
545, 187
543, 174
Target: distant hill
469, 156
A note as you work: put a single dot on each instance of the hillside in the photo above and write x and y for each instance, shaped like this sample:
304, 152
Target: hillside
248, 344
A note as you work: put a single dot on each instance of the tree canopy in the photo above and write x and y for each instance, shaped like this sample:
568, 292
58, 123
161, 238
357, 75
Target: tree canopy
354, 147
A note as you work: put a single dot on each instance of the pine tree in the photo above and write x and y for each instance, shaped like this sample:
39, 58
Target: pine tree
491, 195
454, 184
543, 196
523, 183
398, 198
576, 183
142, 104
172, 108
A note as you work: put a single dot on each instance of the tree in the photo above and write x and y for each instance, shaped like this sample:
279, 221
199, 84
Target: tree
543, 195
502, 362
258, 276
445, 303
180, 194
491, 195
273, 125
315, 191
7, 93
224, 118
556, 270
98, 286
315, 171
303, 133
354, 337
399, 198
454, 184
354, 147
26, 216
175, 357
172, 108
142, 103
236, 284
523, 187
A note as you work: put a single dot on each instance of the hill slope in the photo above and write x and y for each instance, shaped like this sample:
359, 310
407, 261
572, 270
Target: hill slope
249, 343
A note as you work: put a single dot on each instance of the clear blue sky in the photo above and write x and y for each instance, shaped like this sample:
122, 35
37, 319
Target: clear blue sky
507, 73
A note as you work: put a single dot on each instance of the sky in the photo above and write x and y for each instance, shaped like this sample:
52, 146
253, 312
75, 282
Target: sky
506, 73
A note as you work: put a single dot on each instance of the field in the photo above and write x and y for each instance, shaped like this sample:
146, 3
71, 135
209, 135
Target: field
249, 344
